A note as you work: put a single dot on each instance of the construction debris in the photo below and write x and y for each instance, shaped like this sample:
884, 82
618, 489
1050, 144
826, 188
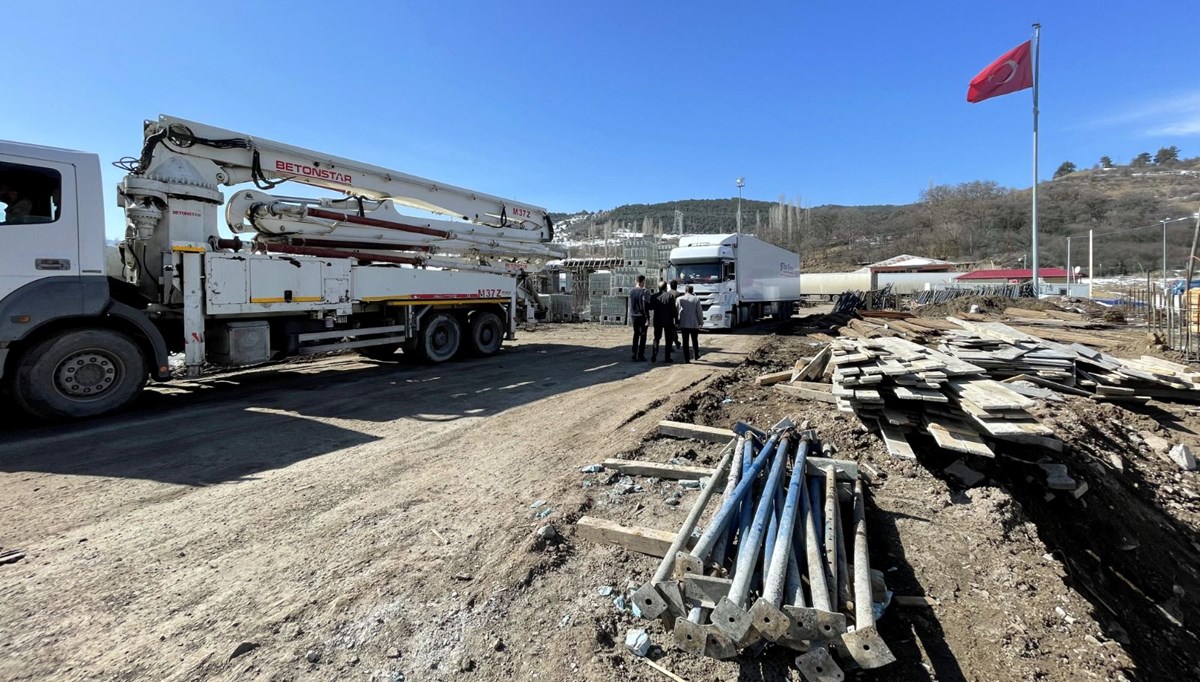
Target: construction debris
782, 560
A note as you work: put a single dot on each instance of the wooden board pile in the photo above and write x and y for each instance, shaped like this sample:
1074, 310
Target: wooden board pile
904, 387
1093, 373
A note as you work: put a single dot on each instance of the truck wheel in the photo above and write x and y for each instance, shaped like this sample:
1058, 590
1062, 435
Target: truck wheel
487, 333
440, 338
385, 353
78, 374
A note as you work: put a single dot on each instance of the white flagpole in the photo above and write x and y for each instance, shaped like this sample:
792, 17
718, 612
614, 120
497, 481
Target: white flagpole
1037, 31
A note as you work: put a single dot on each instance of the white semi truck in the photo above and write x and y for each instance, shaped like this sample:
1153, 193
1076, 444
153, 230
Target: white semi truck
84, 326
738, 278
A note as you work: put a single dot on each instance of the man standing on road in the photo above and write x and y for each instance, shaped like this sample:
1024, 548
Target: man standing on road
691, 316
639, 308
675, 294
663, 307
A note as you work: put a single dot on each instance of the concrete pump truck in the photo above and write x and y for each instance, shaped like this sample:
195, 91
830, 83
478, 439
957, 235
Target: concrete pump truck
83, 325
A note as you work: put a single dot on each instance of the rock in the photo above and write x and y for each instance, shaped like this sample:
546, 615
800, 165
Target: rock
546, 511
548, 533
637, 613
537, 504
1058, 476
313, 656
393, 653
604, 590
1182, 455
671, 501
638, 642
243, 649
592, 469
689, 485
619, 603
965, 474
498, 645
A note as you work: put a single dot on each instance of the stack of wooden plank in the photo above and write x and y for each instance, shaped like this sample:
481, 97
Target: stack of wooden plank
1104, 376
1004, 359
905, 387
1052, 318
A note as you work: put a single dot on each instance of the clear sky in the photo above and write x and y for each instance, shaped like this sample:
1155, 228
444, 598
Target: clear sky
588, 105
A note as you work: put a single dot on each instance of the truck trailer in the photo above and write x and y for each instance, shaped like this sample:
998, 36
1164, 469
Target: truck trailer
83, 325
738, 278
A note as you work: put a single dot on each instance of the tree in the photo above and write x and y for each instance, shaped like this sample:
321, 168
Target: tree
1167, 156
1065, 169
1106, 162
1141, 160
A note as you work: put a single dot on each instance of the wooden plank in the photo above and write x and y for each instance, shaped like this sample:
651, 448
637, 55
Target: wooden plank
956, 436
808, 393
650, 541
674, 472
711, 434
897, 444
773, 378
1061, 388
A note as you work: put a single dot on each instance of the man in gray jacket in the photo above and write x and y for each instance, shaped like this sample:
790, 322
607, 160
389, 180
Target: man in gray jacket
691, 317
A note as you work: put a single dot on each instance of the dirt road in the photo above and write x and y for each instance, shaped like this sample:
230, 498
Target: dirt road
334, 519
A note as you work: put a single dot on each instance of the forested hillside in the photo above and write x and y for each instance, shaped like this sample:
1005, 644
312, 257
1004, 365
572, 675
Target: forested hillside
974, 221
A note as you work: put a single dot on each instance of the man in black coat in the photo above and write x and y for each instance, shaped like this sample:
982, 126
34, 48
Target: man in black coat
662, 306
639, 311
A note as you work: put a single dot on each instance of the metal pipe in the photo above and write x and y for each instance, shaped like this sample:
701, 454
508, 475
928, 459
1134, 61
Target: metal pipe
730, 615
831, 532
818, 585
745, 515
693, 562
772, 529
748, 553
649, 599
768, 619
864, 644
731, 481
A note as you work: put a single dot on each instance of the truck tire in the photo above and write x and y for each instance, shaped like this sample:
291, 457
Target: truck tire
385, 353
440, 338
78, 374
486, 333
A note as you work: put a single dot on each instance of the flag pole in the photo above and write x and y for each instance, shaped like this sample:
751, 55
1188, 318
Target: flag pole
1037, 49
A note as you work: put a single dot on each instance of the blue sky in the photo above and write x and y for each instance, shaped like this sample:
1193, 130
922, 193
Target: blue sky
591, 105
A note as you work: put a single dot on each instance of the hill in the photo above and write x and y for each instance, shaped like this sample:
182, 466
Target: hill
974, 221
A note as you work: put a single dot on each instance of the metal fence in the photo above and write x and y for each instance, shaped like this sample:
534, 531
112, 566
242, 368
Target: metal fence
1173, 318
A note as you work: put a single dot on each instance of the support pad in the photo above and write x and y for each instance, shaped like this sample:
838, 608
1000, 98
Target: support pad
690, 637
706, 591
650, 602
867, 648
818, 666
830, 625
686, 564
770, 622
733, 621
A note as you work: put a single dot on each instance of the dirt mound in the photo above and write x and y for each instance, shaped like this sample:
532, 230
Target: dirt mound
985, 304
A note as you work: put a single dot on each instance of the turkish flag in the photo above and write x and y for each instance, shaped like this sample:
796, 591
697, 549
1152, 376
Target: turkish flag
1013, 71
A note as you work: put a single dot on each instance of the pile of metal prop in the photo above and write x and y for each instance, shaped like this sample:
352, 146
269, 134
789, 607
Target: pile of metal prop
782, 561
999, 290
875, 299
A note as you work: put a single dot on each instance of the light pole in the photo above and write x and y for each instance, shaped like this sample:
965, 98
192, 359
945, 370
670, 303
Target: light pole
741, 182
1164, 255
1068, 266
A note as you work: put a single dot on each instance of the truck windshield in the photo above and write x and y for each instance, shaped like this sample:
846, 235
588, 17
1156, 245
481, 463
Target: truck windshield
702, 273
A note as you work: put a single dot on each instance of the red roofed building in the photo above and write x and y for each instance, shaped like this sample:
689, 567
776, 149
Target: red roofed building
1012, 276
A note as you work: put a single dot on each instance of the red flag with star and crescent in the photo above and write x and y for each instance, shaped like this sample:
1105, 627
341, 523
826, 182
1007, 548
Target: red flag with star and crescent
1013, 71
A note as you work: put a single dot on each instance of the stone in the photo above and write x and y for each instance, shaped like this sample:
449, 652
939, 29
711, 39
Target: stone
1182, 456
638, 642
965, 474
592, 469
689, 485
604, 590
548, 533
537, 504
243, 649
393, 653
313, 656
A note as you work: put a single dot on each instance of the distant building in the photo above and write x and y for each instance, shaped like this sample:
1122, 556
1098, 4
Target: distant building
1012, 276
908, 263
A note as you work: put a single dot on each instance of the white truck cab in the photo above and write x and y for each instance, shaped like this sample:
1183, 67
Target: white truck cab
79, 339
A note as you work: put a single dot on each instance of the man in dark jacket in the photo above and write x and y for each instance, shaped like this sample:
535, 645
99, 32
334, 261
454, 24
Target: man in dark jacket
639, 311
691, 318
663, 308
